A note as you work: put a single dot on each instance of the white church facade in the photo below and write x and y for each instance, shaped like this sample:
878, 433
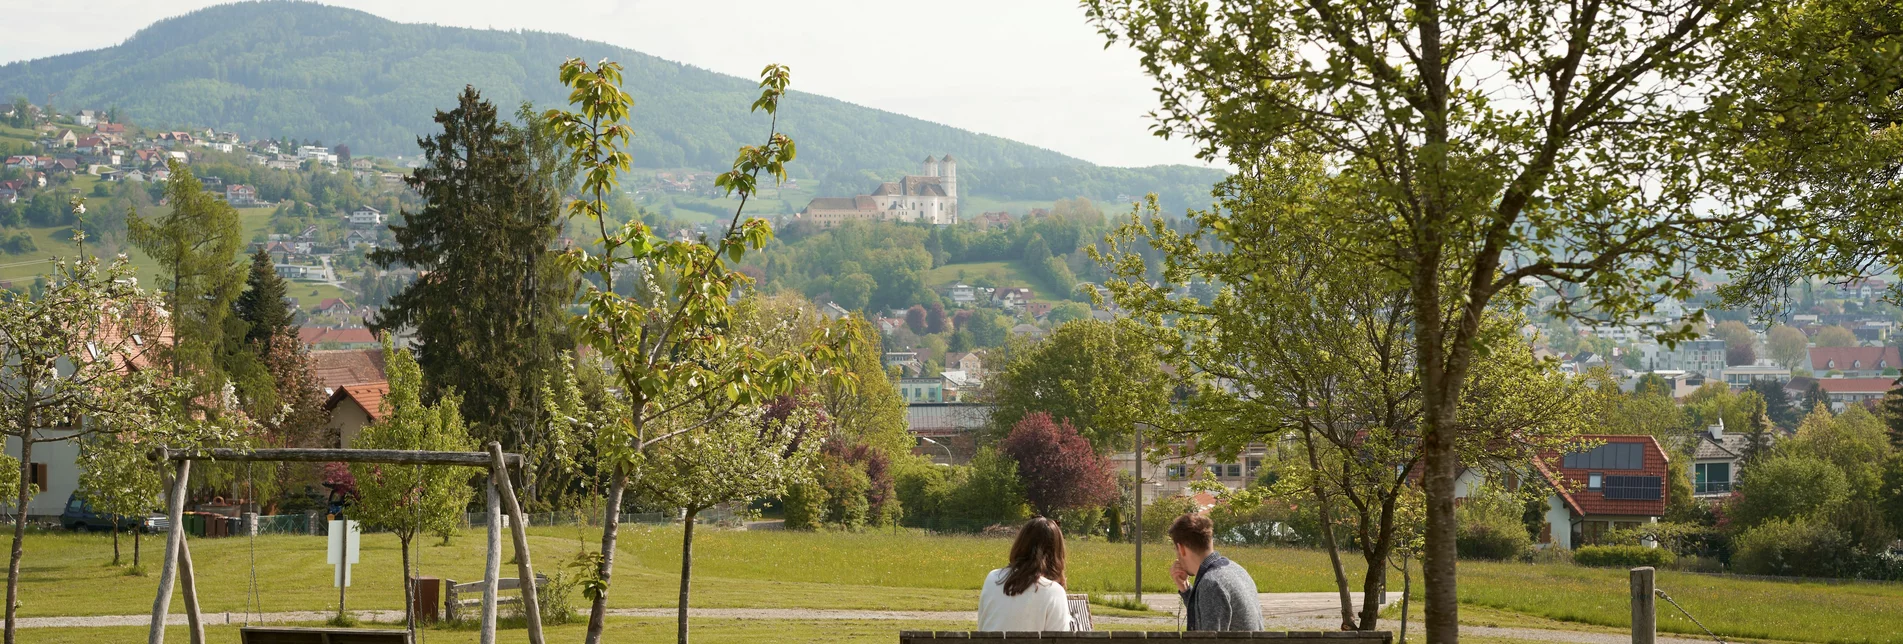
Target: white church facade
928, 198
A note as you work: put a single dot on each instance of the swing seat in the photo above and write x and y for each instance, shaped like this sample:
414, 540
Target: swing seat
320, 635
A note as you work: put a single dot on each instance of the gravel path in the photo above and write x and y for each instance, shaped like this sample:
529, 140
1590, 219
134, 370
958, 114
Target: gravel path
1281, 611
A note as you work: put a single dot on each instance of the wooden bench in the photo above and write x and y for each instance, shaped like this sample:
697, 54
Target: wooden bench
457, 597
305, 635
1280, 637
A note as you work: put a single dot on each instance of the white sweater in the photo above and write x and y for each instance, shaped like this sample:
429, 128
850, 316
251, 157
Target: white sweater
1042, 607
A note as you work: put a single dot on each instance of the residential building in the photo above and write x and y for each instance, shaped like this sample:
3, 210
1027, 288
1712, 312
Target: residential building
353, 407
1705, 357
293, 271
326, 338
930, 198
1717, 461
241, 196
1853, 362
366, 216
962, 294
968, 362
1858, 391
1741, 376
1173, 473
1011, 298
332, 306
957, 384
1618, 484
951, 429
922, 390
338, 367
86, 118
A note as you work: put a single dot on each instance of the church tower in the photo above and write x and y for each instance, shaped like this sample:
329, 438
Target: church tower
948, 178
931, 166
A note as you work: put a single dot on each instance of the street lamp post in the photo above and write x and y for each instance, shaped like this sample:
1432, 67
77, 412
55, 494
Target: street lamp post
947, 448
1137, 458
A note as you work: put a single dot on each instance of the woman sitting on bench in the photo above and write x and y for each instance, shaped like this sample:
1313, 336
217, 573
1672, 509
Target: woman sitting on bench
1028, 595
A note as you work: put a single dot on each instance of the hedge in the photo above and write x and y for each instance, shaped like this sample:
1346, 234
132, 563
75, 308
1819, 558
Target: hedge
1623, 556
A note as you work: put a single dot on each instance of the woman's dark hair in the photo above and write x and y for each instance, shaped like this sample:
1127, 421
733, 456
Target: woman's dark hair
1038, 552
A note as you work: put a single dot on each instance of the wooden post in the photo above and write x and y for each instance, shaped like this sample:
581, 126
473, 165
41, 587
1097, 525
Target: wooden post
1644, 616
493, 569
518, 529
1137, 460
174, 536
188, 586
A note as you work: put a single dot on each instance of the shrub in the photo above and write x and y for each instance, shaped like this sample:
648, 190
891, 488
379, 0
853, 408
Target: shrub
1797, 547
805, 506
1623, 557
1268, 523
1160, 512
1491, 528
846, 486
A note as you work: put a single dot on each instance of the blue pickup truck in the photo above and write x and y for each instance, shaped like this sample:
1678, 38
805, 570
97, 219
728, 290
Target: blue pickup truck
79, 515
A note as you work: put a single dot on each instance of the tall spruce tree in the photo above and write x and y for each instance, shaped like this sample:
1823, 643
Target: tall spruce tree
1893, 416
1777, 403
487, 311
194, 245
261, 306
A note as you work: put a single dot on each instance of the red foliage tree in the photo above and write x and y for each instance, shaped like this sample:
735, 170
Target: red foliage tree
1057, 466
935, 320
960, 318
915, 319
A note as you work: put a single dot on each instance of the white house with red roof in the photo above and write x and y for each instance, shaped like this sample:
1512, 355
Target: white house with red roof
1855, 391
353, 407
1619, 483
1853, 362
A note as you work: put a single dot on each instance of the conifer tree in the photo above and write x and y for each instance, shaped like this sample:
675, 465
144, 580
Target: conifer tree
1893, 415
488, 312
194, 245
261, 306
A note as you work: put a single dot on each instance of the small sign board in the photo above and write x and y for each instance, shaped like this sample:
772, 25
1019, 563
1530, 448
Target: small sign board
345, 539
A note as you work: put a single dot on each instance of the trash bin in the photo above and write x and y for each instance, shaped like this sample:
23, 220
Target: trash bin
427, 600
234, 527
194, 524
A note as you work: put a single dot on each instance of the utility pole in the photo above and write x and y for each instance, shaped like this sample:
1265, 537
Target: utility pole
1137, 459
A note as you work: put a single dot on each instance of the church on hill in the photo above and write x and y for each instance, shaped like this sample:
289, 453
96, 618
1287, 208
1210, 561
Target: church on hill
929, 198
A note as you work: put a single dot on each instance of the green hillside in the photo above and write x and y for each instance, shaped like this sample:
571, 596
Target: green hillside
312, 72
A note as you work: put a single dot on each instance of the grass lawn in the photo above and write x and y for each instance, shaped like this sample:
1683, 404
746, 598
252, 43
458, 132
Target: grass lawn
57, 241
1004, 273
66, 575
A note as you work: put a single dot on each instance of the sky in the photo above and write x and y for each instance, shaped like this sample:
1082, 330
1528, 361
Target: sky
1029, 70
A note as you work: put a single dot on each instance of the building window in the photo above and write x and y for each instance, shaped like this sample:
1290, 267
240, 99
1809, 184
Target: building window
1591, 533
1711, 478
1174, 472
1254, 464
1234, 469
1595, 481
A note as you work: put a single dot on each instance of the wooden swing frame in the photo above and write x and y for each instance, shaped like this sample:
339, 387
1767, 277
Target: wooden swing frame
501, 497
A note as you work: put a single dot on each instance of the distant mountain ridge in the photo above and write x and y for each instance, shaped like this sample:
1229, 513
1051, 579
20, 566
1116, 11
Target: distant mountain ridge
310, 71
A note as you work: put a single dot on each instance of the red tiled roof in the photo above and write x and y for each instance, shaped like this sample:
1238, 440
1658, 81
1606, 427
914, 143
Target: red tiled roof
337, 368
1856, 385
1570, 483
1825, 359
368, 395
312, 335
329, 302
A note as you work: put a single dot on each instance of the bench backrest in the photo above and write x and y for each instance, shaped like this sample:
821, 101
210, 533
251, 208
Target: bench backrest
308, 635
1280, 637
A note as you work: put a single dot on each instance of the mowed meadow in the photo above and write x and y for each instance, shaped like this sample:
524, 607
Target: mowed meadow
67, 574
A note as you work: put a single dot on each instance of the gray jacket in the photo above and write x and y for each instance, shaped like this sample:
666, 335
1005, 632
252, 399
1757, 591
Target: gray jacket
1223, 598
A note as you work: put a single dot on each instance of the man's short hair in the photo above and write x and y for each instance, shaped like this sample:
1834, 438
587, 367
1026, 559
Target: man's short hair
1193, 531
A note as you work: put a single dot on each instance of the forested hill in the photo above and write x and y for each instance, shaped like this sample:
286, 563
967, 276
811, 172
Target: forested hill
308, 71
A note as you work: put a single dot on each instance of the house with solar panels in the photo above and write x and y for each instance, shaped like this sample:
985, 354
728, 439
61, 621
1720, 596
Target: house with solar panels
1618, 483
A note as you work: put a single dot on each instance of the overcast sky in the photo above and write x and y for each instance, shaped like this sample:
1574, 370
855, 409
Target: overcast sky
1029, 70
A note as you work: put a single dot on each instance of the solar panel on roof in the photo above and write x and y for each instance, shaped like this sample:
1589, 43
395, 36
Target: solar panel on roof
1610, 456
1634, 488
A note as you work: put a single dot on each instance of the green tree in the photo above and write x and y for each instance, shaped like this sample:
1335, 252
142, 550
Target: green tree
1788, 487
667, 341
1103, 377
1835, 336
194, 245
1788, 345
489, 313
1893, 415
1067, 311
117, 480
261, 306
854, 291
1735, 334
988, 328
416, 499
1475, 155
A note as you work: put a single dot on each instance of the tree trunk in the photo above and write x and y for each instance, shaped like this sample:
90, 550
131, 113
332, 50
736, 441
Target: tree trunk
1328, 531
687, 569
409, 586
115, 541
1439, 561
188, 586
19, 529
1374, 587
610, 526
135, 545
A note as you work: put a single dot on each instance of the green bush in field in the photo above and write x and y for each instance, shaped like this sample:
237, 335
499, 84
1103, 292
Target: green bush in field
805, 506
1796, 547
1490, 527
846, 486
1623, 556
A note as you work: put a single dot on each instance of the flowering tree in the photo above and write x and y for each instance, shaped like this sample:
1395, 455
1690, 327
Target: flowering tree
71, 364
669, 340
412, 500
117, 480
1059, 468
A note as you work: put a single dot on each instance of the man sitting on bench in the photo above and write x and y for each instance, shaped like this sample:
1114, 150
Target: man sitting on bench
1223, 598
